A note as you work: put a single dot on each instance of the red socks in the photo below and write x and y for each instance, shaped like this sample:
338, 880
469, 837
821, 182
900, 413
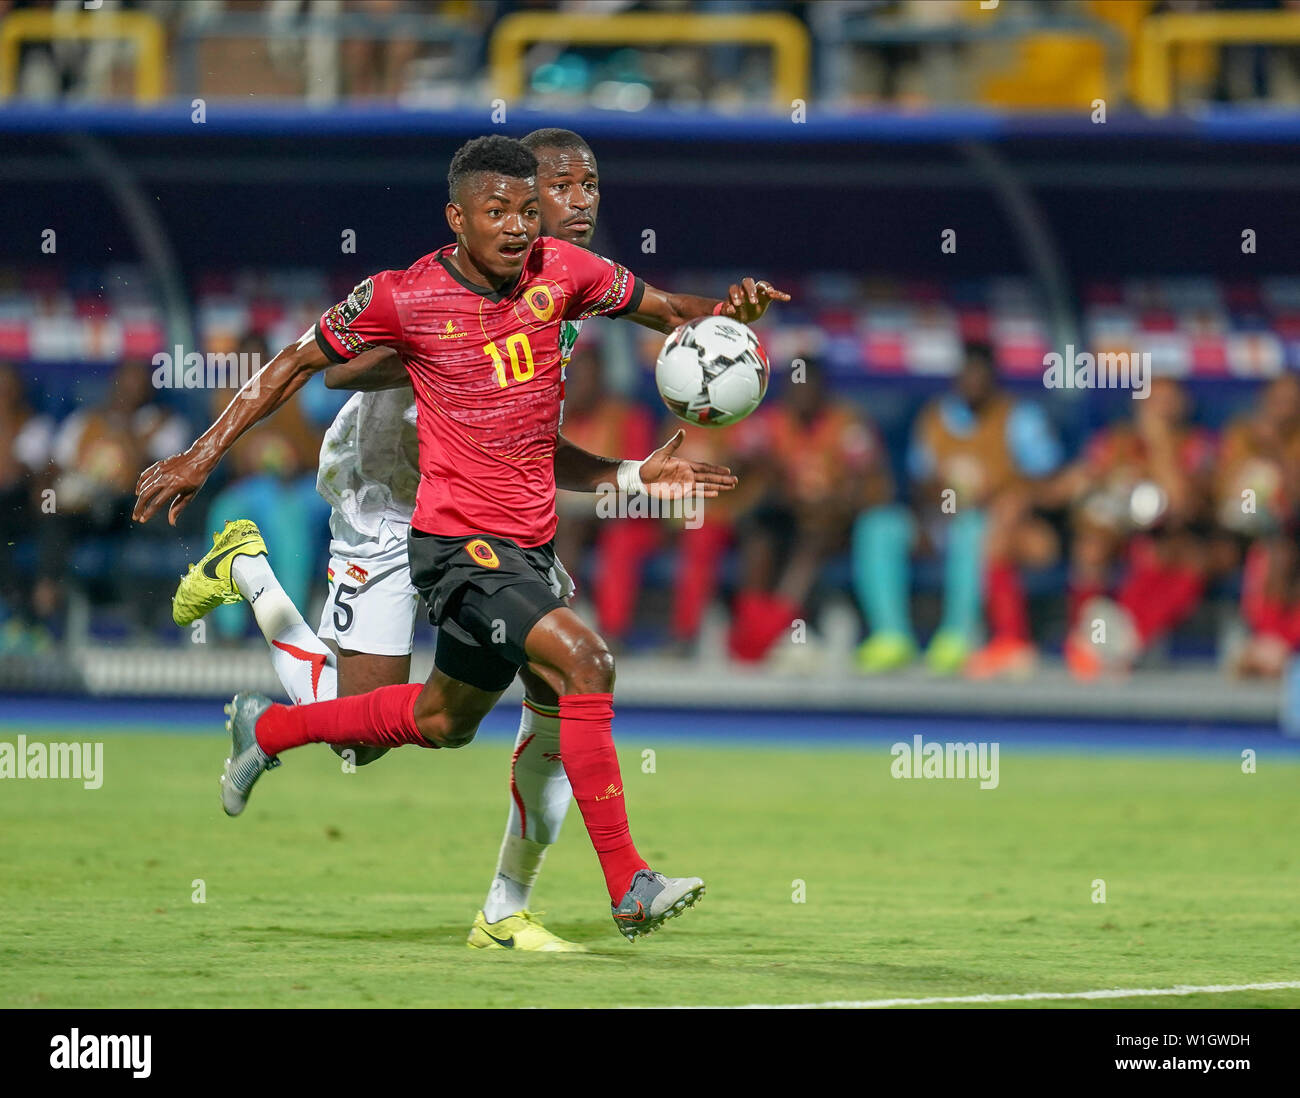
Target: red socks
624, 546
384, 718
757, 620
696, 578
587, 748
1005, 602
1159, 596
1078, 594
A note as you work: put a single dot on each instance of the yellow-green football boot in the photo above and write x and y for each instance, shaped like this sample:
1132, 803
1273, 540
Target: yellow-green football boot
947, 653
885, 652
523, 931
209, 583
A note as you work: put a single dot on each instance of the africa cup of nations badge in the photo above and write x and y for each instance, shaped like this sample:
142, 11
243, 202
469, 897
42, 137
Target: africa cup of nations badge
482, 552
357, 300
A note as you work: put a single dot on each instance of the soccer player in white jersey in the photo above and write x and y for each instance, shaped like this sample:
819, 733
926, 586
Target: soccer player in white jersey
368, 474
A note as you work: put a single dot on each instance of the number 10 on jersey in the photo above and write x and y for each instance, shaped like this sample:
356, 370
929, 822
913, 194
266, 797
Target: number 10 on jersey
516, 346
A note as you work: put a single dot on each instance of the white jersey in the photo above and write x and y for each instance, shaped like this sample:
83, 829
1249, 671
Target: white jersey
370, 460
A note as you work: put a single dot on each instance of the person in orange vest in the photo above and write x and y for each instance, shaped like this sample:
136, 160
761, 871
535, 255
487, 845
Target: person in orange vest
978, 461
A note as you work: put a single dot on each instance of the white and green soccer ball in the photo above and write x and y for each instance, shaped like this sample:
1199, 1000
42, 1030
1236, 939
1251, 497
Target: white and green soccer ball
712, 371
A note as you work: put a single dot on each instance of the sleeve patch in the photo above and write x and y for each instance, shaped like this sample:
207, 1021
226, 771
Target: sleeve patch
612, 298
341, 317
633, 301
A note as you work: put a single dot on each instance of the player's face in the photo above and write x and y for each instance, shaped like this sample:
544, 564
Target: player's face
496, 220
976, 383
569, 188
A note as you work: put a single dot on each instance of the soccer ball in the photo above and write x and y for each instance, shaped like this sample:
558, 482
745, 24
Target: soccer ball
712, 371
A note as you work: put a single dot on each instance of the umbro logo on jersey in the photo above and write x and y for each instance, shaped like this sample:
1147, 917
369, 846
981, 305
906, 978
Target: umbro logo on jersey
451, 333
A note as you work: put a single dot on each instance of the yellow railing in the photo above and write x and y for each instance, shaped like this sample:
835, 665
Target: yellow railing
784, 33
1160, 34
45, 26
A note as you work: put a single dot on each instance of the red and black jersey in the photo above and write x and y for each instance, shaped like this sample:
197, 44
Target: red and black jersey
486, 369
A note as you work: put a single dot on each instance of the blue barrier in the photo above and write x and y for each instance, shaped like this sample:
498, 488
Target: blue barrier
1223, 124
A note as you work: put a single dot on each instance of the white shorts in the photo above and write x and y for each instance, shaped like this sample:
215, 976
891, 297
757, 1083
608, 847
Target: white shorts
372, 605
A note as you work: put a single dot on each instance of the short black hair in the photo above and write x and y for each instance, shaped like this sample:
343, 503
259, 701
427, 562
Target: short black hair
494, 153
981, 351
555, 138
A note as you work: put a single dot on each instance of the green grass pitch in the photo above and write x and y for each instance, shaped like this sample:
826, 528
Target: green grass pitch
358, 890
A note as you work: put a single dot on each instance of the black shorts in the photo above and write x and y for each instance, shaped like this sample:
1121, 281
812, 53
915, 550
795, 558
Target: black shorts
484, 594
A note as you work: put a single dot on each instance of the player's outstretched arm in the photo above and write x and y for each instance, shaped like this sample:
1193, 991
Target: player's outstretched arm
370, 372
661, 474
174, 481
746, 301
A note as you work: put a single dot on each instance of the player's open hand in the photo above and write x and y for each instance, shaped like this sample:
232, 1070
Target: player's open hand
670, 477
174, 480
749, 300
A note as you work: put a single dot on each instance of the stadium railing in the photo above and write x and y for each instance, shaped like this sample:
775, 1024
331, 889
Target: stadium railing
144, 30
1162, 34
866, 29
787, 37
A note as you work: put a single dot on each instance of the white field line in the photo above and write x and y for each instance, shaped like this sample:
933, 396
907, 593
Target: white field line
1033, 996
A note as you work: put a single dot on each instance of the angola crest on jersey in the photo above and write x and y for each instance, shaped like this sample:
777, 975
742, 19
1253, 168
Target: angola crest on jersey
486, 365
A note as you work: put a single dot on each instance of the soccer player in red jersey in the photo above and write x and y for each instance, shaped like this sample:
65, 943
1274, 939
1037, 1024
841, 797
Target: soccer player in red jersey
478, 327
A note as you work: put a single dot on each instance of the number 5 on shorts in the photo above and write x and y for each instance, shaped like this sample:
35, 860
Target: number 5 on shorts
342, 611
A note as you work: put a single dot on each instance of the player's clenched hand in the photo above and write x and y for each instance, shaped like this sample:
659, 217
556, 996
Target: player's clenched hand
748, 301
670, 477
174, 481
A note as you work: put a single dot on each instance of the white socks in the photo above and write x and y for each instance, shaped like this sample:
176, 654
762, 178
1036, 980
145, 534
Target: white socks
540, 797
301, 661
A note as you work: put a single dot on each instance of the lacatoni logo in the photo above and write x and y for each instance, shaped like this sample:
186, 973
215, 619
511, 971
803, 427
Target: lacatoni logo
1106, 370
919, 759
193, 370
93, 1051
82, 762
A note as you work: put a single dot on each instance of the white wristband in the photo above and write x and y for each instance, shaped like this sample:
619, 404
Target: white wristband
629, 478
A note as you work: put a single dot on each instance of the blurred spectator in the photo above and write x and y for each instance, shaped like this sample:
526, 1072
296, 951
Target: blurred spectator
274, 484
377, 67
700, 550
98, 453
820, 464
1256, 503
976, 462
602, 423
25, 443
1141, 493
